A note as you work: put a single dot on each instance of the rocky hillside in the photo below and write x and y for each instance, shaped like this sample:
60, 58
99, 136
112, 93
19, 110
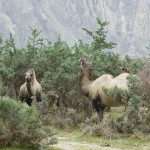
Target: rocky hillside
129, 21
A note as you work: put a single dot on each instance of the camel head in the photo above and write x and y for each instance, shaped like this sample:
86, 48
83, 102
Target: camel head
29, 75
86, 64
125, 70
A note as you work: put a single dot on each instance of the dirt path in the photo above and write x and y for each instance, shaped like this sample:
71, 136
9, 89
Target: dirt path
68, 144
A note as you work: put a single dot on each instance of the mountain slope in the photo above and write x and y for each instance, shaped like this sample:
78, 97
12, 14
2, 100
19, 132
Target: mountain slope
129, 21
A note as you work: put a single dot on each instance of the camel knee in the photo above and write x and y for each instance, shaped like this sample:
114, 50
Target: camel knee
96, 105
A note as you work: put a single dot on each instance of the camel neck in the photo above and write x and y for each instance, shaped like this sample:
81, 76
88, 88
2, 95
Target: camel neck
34, 78
29, 84
85, 82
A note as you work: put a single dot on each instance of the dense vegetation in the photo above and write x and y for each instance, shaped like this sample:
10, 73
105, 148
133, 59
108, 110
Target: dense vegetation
20, 125
57, 69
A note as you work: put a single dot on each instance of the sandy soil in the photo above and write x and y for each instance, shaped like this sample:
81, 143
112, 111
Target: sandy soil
67, 144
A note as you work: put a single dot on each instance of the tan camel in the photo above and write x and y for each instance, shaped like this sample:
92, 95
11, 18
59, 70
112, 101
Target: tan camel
31, 88
94, 88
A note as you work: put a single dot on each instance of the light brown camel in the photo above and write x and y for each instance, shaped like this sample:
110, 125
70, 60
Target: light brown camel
94, 88
31, 88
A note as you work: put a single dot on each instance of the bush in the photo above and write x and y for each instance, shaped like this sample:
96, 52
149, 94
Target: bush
57, 66
20, 124
104, 128
137, 112
3, 89
134, 121
66, 118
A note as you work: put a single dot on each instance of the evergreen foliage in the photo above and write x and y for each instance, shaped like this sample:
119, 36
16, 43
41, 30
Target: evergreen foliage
56, 64
99, 37
20, 125
57, 68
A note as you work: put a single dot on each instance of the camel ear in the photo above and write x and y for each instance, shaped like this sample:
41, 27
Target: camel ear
121, 68
81, 65
125, 69
32, 70
82, 59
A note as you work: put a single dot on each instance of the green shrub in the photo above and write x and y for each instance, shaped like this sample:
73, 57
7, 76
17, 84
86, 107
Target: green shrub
20, 125
57, 69
136, 114
57, 64
3, 89
135, 120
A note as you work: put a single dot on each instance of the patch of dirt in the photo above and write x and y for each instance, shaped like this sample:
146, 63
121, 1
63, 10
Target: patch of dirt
68, 144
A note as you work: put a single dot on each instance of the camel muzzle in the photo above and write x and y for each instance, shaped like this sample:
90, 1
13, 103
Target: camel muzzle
28, 80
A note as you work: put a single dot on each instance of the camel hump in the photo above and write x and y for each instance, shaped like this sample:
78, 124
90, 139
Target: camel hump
120, 81
122, 76
106, 76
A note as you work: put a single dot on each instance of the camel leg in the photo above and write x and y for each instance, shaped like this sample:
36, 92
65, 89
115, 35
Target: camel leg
39, 99
98, 107
28, 101
21, 98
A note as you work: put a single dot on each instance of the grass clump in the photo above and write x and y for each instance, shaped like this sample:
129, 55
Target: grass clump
50, 147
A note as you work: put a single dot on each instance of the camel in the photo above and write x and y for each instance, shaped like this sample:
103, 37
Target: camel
94, 88
31, 88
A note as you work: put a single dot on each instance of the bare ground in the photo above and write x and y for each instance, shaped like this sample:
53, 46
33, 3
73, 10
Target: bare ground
68, 144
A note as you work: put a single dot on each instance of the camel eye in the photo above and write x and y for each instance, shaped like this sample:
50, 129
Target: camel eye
83, 65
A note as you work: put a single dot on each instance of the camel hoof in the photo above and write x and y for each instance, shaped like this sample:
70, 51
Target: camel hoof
38, 99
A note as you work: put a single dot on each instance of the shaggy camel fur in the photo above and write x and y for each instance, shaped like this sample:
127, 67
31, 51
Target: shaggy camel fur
31, 88
94, 89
